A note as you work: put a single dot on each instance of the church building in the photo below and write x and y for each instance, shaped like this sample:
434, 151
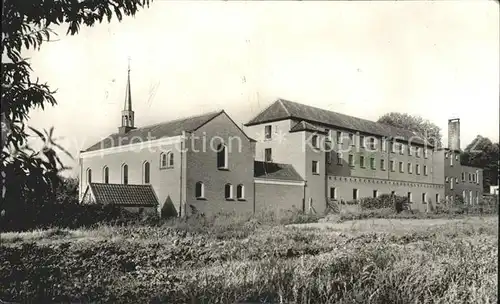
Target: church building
290, 156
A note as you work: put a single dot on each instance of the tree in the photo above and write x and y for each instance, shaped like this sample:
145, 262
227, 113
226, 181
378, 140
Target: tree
30, 177
417, 124
481, 152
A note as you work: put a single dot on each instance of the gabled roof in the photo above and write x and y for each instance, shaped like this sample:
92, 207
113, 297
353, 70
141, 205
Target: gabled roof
157, 131
276, 171
306, 126
123, 195
285, 109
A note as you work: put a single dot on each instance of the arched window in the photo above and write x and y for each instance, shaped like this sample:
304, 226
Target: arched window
146, 173
163, 160
89, 176
125, 174
170, 160
240, 192
222, 156
200, 190
228, 191
105, 174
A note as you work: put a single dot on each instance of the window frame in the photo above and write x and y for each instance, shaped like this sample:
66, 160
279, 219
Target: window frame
146, 179
222, 148
202, 190
230, 192
315, 165
268, 135
105, 174
125, 177
240, 192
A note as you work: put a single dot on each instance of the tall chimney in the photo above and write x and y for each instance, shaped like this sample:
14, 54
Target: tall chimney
454, 134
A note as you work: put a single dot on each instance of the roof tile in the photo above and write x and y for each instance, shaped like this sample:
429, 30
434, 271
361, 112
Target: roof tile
120, 194
277, 171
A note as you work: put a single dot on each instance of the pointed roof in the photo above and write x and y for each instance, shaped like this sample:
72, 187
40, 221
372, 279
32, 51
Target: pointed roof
124, 195
284, 109
306, 126
276, 171
128, 93
156, 131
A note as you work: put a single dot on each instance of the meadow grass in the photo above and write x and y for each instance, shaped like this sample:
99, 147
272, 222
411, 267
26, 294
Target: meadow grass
254, 260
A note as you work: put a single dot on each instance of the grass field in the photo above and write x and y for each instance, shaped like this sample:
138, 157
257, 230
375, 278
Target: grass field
362, 261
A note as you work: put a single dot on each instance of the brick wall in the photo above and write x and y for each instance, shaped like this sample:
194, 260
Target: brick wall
201, 166
278, 197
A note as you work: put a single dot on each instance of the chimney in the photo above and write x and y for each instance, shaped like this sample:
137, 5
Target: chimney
454, 134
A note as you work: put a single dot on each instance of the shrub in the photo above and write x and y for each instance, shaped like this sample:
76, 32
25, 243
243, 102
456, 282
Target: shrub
397, 203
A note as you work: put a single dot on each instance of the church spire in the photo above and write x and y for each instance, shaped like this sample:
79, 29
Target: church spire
127, 113
128, 91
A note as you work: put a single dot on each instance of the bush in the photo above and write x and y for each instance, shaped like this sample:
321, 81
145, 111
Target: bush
397, 203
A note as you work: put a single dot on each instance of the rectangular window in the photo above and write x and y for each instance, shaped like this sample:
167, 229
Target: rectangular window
392, 145
333, 193
393, 166
451, 183
424, 198
351, 160
463, 176
451, 160
373, 143
437, 198
410, 150
355, 193
382, 164
268, 157
425, 170
401, 167
328, 136
339, 158
417, 167
361, 161
446, 179
410, 168
267, 130
315, 167
372, 163
339, 137
401, 149
410, 199
375, 193
362, 142
384, 145
417, 151
426, 153
351, 139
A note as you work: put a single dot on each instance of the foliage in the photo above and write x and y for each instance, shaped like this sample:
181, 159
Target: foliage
29, 178
442, 262
482, 153
417, 124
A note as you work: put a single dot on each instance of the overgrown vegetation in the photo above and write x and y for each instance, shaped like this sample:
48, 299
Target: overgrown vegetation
30, 178
367, 261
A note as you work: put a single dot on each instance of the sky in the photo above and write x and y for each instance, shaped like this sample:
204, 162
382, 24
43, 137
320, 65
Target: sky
438, 60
